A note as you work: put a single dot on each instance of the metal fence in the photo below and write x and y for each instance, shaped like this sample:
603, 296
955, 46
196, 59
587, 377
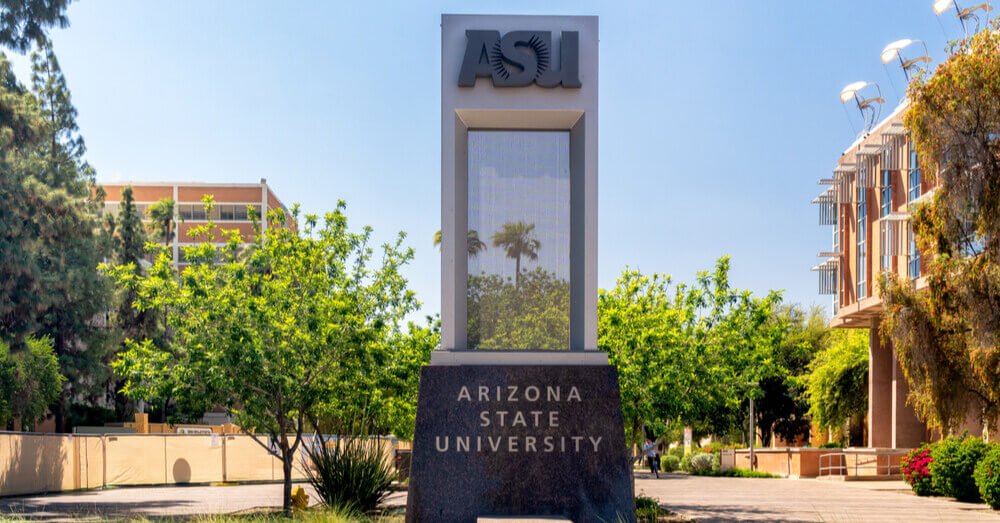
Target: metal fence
861, 463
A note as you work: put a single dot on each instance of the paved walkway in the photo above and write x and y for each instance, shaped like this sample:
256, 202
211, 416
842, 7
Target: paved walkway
155, 501
743, 499
698, 498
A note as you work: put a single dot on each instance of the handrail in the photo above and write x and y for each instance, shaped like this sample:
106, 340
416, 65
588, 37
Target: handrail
873, 462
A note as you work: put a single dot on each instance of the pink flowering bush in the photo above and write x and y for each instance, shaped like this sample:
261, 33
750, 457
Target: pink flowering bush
917, 471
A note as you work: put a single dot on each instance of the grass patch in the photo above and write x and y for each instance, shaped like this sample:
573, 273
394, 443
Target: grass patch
648, 510
736, 473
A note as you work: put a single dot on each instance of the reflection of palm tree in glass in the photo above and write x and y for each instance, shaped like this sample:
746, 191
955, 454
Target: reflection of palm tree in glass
472, 241
516, 239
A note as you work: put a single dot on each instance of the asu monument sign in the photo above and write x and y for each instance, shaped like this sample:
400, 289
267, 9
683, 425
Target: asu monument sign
519, 414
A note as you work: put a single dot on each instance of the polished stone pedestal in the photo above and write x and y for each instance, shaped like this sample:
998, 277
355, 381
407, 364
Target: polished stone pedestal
519, 440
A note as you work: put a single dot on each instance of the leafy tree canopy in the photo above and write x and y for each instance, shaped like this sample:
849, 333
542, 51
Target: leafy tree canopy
947, 337
24, 22
29, 382
301, 324
686, 353
837, 387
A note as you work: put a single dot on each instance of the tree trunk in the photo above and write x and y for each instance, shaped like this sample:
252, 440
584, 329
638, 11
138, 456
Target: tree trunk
517, 271
286, 492
59, 410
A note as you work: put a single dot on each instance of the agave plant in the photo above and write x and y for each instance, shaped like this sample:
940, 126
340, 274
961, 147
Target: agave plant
353, 473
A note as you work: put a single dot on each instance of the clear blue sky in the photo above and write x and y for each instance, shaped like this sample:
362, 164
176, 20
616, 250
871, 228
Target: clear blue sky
715, 122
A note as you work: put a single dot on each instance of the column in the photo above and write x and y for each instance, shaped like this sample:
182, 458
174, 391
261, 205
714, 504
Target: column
907, 429
880, 391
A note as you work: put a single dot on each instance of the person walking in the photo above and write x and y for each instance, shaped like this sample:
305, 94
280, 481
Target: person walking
649, 450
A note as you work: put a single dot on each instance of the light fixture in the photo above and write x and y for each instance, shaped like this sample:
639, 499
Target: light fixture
869, 107
894, 51
941, 6
963, 15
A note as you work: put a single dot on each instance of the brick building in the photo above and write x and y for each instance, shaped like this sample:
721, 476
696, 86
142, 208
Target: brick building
233, 202
868, 203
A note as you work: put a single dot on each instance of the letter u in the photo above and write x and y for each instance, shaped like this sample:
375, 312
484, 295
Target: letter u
437, 443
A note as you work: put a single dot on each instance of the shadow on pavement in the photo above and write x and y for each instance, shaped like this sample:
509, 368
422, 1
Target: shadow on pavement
53, 509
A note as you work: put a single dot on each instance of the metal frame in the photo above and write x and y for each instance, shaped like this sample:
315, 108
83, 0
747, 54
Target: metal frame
872, 463
482, 107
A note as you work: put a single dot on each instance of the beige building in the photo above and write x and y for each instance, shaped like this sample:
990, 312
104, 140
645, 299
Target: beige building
233, 203
868, 202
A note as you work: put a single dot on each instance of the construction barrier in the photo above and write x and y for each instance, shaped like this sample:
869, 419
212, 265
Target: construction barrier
37, 463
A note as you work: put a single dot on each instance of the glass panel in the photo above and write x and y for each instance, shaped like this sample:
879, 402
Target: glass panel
518, 240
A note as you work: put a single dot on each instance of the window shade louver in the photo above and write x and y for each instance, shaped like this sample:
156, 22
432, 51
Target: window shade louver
828, 275
844, 177
893, 234
827, 202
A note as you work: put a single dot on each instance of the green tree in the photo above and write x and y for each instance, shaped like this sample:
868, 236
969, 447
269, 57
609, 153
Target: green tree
516, 239
946, 336
783, 407
377, 386
274, 335
69, 247
25, 22
161, 216
128, 319
29, 382
837, 385
473, 244
685, 354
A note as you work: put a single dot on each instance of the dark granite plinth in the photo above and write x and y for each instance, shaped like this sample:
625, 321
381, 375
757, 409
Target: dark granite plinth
553, 444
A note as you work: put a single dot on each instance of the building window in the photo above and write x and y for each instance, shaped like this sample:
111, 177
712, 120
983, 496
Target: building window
862, 247
223, 212
886, 193
914, 175
885, 208
913, 265
836, 248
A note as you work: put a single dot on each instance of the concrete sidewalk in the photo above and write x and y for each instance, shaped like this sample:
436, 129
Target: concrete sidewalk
743, 499
155, 501
697, 498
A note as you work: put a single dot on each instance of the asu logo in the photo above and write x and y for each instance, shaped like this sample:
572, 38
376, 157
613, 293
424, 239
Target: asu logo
520, 58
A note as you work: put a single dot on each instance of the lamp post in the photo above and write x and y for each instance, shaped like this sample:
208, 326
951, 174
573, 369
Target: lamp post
753, 431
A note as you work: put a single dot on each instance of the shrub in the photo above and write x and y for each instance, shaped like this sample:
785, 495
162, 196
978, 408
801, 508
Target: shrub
832, 445
917, 472
988, 477
703, 463
744, 473
686, 462
677, 451
647, 509
669, 463
953, 463
353, 474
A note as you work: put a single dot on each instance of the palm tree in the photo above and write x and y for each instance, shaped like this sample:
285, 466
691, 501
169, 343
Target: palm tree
472, 241
161, 214
516, 239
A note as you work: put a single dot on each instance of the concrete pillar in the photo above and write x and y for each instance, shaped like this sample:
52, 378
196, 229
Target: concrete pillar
880, 391
907, 429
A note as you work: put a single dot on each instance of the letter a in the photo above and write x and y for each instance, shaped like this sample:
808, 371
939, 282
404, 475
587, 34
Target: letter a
477, 57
